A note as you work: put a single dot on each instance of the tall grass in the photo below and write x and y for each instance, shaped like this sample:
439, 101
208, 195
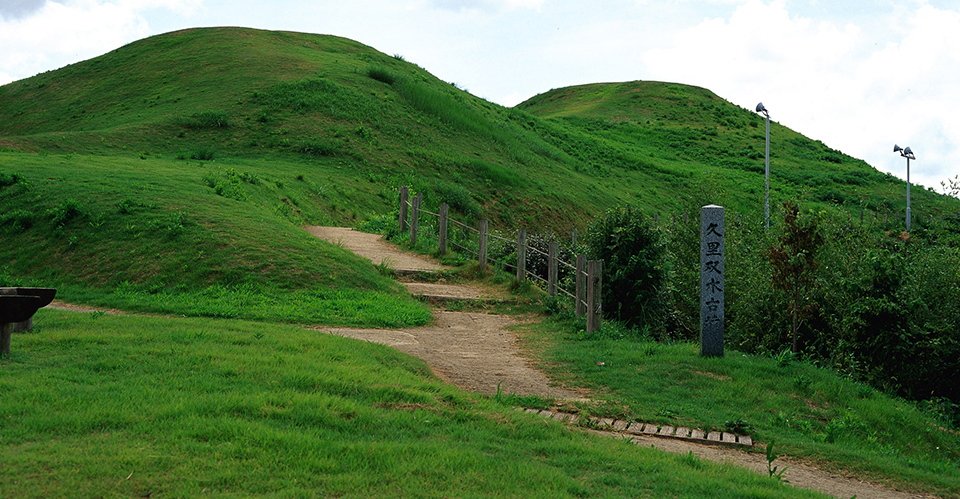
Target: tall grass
191, 239
811, 413
136, 406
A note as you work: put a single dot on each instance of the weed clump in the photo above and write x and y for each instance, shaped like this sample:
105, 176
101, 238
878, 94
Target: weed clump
18, 220
66, 211
319, 147
381, 74
9, 179
205, 120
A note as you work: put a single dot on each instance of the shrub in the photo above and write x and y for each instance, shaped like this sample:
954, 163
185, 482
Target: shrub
381, 74
794, 262
202, 154
66, 211
6, 180
538, 263
459, 199
633, 253
319, 147
18, 220
206, 120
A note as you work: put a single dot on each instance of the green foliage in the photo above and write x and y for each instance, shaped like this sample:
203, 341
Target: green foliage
633, 254
894, 319
225, 407
459, 199
876, 306
67, 211
226, 183
324, 95
775, 471
382, 74
17, 220
813, 413
319, 147
206, 120
201, 153
8, 179
794, 262
539, 264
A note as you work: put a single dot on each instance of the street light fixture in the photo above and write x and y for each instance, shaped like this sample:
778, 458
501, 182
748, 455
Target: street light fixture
766, 200
906, 153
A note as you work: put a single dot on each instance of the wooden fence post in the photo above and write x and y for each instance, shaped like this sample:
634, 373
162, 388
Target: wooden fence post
444, 212
581, 281
404, 195
415, 218
552, 266
521, 255
573, 237
594, 303
483, 244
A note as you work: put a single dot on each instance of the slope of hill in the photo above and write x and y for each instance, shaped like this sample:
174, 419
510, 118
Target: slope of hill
310, 129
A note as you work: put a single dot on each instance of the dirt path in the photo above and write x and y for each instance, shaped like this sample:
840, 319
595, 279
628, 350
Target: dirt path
474, 351
374, 248
799, 475
471, 350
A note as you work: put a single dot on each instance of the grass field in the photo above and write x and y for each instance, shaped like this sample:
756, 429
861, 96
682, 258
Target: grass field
809, 413
118, 406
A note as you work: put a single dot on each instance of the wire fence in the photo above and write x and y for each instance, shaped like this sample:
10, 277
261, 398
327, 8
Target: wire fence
585, 285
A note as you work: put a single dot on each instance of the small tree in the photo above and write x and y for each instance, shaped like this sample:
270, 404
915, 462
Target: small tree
794, 264
951, 186
633, 253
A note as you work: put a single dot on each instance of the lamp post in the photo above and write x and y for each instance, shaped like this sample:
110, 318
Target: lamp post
766, 199
906, 153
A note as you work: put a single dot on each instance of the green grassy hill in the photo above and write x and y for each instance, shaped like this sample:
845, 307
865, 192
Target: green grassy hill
190, 160
173, 176
324, 101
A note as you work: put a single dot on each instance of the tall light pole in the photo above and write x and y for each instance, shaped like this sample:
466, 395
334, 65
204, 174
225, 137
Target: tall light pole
766, 199
906, 153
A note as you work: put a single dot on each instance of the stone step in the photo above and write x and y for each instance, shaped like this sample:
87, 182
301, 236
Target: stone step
649, 429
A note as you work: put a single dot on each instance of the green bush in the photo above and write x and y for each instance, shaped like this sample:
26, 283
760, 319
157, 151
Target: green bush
8, 179
206, 120
66, 211
381, 74
538, 263
203, 154
633, 253
883, 307
18, 220
319, 147
459, 199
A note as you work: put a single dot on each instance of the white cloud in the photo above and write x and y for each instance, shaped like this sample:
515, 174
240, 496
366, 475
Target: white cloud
858, 87
18, 9
60, 33
486, 5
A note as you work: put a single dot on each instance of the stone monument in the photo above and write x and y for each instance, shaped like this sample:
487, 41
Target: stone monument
711, 281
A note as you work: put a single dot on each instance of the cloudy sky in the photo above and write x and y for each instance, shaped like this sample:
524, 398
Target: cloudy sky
860, 76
